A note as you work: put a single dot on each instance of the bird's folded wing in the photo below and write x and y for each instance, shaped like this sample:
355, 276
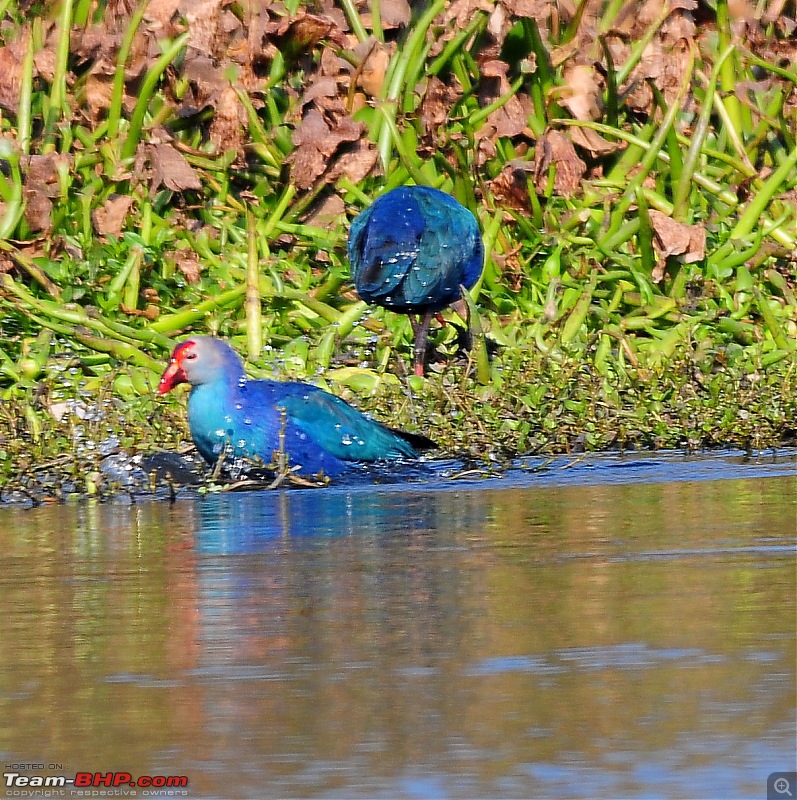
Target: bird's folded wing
381, 256
341, 430
442, 254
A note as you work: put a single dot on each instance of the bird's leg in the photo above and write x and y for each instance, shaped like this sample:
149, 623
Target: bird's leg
421, 336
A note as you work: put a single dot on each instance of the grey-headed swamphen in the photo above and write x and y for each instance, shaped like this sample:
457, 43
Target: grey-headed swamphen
410, 251
229, 413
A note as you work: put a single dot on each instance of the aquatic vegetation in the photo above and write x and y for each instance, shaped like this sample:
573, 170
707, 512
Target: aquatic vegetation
633, 173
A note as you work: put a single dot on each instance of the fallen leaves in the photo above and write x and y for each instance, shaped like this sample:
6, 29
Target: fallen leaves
187, 261
555, 153
373, 67
228, 128
511, 118
170, 169
510, 187
11, 58
672, 238
225, 73
110, 217
316, 141
395, 13
583, 98
42, 185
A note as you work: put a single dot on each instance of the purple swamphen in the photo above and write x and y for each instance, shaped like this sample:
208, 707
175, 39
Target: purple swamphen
228, 413
410, 251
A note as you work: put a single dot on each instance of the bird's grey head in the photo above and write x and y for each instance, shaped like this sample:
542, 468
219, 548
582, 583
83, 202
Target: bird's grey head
201, 360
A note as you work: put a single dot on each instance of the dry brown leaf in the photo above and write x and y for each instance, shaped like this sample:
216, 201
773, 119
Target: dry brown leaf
486, 150
187, 261
160, 13
202, 70
435, 106
745, 89
316, 142
673, 238
227, 131
110, 218
41, 184
332, 64
356, 163
511, 118
170, 169
43, 171
203, 17
99, 88
593, 142
457, 15
555, 148
151, 312
324, 87
372, 73
304, 31
679, 25
510, 187
565, 52
739, 10
117, 11
44, 60
38, 209
583, 98
494, 68
313, 131
498, 24
327, 214
533, 9
395, 13
11, 57
307, 164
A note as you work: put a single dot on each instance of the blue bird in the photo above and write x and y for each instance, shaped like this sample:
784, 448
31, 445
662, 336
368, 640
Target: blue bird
410, 251
229, 414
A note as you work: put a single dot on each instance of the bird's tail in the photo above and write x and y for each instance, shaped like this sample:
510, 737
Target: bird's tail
417, 440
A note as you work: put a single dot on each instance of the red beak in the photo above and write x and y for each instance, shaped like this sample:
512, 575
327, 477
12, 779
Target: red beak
172, 376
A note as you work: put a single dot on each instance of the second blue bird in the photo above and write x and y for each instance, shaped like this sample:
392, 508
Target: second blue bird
410, 251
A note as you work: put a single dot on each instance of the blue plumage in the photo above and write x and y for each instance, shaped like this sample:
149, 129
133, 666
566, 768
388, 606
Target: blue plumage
227, 412
410, 251
412, 248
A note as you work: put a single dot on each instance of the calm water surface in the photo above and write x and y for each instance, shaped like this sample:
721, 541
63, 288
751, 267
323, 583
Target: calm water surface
608, 628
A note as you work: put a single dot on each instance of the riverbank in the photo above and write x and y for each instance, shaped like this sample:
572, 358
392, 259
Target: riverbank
86, 442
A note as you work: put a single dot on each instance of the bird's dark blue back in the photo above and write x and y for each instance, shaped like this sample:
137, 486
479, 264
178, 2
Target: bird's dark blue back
412, 248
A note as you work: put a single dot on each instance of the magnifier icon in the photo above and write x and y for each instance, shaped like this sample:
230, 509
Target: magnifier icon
782, 786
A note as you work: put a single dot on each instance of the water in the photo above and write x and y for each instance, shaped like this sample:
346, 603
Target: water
600, 628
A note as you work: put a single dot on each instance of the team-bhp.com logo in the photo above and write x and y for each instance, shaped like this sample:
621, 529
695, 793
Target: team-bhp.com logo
86, 784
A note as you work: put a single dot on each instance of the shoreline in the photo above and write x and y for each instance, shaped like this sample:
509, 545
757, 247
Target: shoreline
175, 477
